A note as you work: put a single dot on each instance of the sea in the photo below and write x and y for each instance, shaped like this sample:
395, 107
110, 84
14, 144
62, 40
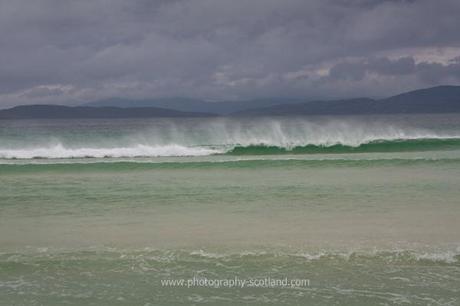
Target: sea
320, 210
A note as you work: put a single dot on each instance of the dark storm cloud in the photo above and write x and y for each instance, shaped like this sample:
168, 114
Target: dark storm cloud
71, 51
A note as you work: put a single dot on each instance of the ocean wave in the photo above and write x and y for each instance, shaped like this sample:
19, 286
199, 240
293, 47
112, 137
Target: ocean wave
140, 150
406, 256
59, 151
164, 138
377, 145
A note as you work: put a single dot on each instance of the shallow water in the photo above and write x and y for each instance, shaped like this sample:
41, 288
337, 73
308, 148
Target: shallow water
367, 228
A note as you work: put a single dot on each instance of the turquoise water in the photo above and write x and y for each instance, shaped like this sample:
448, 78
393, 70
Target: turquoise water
102, 212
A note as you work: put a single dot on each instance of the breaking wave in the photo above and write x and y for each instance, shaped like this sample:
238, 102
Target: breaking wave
111, 139
450, 256
382, 145
59, 151
142, 150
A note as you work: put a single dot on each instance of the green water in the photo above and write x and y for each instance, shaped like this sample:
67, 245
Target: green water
379, 227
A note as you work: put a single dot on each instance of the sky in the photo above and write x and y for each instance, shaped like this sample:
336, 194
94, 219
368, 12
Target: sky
70, 52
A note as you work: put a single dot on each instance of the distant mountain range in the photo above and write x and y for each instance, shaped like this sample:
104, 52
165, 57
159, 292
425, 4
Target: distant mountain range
194, 105
440, 99
68, 112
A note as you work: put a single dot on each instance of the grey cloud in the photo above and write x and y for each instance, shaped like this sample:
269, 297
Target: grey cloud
401, 66
428, 72
435, 72
70, 51
381, 66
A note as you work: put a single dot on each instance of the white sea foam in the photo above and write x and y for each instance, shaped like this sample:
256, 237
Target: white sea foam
59, 151
447, 257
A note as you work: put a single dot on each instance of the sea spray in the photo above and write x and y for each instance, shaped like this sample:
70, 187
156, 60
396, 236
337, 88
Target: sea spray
199, 137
